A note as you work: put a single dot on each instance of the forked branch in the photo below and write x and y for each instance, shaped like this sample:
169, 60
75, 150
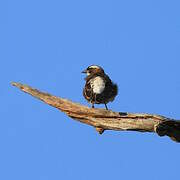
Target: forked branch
103, 119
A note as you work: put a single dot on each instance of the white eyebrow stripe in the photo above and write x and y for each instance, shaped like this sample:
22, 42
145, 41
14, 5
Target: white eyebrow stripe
95, 67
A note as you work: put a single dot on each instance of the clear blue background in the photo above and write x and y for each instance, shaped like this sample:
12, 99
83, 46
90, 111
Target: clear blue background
46, 44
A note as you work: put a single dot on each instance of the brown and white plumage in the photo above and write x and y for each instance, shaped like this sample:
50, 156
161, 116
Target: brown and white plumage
99, 89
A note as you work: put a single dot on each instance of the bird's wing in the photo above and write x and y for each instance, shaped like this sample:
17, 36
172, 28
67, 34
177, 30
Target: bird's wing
87, 91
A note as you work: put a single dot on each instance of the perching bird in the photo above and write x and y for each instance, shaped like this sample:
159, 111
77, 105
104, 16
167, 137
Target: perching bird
99, 89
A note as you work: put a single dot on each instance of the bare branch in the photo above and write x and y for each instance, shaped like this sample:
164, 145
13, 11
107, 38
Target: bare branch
103, 119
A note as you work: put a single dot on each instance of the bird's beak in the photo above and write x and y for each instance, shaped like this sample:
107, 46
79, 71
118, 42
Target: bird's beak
85, 71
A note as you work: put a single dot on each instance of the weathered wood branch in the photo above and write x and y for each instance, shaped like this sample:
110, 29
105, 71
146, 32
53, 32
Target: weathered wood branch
103, 119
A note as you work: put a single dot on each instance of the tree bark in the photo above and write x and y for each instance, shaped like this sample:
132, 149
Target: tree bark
103, 119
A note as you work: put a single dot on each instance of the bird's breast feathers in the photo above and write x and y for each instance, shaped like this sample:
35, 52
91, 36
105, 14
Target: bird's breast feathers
97, 84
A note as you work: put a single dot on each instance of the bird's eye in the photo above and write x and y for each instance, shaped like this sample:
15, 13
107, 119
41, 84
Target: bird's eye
89, 70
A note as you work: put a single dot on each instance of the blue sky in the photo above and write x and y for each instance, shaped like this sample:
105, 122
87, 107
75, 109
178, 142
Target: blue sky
46, 44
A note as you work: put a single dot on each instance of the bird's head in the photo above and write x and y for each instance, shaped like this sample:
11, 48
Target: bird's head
93, 69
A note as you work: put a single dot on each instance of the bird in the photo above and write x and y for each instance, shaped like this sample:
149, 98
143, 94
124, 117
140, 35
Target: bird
98, 89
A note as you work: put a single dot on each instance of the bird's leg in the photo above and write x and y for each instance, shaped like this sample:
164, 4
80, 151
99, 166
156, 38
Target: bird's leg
106, 106
92, 99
